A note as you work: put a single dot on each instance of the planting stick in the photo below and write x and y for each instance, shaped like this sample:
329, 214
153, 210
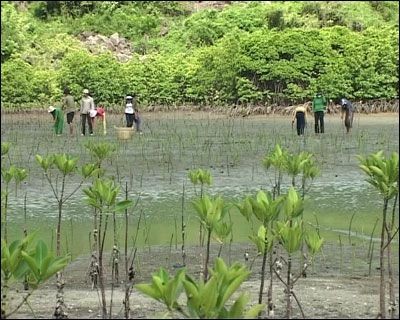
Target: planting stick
341, 253
25, 229
126, 301
370, 259
90, 241
72, 236
231, 239
183, 225
370, 239
170, 246
351, 220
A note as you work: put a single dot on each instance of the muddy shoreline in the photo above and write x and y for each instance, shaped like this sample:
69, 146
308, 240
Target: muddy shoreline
326, 292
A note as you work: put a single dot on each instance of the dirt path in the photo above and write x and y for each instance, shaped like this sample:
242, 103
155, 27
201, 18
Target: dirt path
329, 298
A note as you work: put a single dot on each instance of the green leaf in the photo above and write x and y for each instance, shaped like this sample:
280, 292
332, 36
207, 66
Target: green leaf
41, 252
55, 266
236, 311
34, 268
234, 285
122, 205
148, 290
254, 311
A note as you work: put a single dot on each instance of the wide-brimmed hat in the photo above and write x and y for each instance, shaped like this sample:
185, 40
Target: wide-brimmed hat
85, 91
51, 109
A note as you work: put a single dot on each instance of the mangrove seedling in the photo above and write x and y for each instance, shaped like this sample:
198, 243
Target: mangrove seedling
12, 173
276, 159
291, 236
202, 177
211, 213
100, 151
309, 171
21, 262
66, 166
383, 174
102, 196
204, 300
266, 210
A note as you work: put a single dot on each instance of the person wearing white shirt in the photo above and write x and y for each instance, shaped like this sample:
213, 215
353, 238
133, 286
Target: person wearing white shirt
300, 116
87, 104
132, 113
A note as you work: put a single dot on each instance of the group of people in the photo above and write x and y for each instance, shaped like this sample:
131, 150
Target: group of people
319, 105
89, 112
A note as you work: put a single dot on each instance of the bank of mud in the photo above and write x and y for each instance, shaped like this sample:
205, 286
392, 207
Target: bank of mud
329, 290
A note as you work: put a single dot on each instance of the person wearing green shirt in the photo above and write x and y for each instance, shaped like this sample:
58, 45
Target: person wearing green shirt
319, 105
58, 117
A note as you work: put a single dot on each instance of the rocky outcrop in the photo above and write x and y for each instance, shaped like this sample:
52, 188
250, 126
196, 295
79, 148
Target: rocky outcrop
97, 43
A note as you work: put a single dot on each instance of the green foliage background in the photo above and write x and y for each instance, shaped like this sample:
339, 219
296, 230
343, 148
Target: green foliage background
244, 53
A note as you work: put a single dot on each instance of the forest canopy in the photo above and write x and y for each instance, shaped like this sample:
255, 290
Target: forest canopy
184, 53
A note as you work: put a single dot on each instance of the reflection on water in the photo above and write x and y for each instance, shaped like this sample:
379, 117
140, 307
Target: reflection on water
155, 167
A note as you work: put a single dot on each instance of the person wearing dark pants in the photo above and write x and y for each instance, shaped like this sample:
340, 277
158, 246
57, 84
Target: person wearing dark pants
68, 106
132, 113
300, 116
319, 121
85, 118
87, 104
129, 119
319, 105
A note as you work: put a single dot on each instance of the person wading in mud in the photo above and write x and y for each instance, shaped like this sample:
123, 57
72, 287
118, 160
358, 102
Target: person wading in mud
319, 105
68, 106
347, 110
58, 117
300, 116
132, 113
87, 104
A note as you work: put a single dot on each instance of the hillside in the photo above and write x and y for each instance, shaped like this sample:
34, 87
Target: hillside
198, 52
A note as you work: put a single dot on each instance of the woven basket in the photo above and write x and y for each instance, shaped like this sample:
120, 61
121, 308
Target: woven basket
124, 133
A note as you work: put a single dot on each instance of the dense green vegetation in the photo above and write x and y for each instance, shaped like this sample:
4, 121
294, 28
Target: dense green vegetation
244, 53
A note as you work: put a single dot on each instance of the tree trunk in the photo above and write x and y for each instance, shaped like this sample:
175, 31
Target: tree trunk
392, 296
4, 298
382, 287
205, 273
264, 261
126, 301
59, 312
101, 268
271, 270
288, 292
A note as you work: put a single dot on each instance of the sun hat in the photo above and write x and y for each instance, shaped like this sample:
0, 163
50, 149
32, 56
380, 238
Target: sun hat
85, 91
51, 109
128, 97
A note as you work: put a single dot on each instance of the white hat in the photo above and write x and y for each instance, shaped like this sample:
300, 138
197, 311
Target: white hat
51, 109
85, 91
128, 97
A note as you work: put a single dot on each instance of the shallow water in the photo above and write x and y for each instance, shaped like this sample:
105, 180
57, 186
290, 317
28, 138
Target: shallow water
155, 167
